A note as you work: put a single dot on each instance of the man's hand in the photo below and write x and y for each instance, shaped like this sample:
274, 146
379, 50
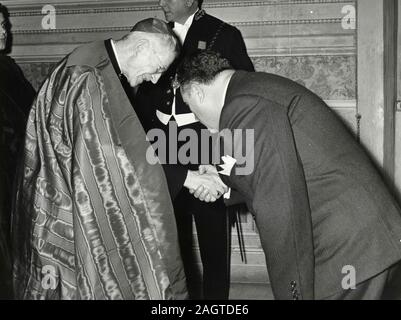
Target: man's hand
205, 185
201, 193
208, 168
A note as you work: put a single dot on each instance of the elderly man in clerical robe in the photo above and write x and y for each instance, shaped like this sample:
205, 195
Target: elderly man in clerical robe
93, 219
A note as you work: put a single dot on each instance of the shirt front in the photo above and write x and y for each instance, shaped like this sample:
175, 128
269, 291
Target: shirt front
181, 30
115, 54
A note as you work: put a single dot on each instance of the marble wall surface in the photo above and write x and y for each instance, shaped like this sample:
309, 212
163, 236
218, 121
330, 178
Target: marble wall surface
330, 77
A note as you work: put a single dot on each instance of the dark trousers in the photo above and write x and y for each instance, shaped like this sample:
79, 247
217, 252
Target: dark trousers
384, 286
213, 232
5, 269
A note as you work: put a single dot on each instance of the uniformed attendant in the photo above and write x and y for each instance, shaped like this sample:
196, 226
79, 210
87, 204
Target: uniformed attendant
161, 106
16, 97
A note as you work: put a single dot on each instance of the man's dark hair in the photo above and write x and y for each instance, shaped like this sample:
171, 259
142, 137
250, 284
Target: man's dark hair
6, 15
4, 11
201, 67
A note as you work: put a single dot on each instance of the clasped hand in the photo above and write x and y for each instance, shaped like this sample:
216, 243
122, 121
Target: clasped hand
205, 184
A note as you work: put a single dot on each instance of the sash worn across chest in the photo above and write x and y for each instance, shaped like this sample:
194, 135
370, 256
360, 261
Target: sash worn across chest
184, 119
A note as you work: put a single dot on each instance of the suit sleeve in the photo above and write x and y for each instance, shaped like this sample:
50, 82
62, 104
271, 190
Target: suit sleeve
175, 175
279, 196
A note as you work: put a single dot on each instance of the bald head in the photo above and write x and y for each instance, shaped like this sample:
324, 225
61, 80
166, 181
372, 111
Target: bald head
153, 25
158, 29
147, 51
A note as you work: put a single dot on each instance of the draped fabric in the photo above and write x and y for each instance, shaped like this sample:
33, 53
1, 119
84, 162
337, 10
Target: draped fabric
90, 222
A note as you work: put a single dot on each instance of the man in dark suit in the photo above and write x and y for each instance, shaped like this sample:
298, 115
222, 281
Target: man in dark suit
16, 97
161, 106
329, 226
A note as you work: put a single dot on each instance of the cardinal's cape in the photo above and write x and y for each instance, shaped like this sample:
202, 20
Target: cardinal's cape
92, 218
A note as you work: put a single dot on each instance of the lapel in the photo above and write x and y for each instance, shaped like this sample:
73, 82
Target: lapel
194, 34
190, 45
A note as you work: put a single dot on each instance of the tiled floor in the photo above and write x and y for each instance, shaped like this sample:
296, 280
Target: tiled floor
243, 291
250, 291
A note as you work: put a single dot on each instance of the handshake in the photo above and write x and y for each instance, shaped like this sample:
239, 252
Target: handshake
205, 184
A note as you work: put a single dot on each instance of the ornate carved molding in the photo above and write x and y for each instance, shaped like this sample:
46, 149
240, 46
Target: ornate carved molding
284, 22
72, 30
341, 104
302, 51
235, 23
91, 7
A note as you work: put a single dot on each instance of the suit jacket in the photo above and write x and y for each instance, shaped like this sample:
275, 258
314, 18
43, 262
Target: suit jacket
16, 97
206, 32
93, 219
319, 202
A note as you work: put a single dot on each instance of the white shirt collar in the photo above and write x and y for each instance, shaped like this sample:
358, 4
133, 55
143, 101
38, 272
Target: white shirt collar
181, 30
115, 54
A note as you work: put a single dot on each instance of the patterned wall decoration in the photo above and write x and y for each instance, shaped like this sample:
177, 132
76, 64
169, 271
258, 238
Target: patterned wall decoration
330, 77
36, 73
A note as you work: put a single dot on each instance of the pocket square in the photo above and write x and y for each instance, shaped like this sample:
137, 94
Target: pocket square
201, 45
227, 166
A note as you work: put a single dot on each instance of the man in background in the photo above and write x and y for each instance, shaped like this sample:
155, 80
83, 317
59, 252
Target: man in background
93, 219
161, 106
329, 227
16, 97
